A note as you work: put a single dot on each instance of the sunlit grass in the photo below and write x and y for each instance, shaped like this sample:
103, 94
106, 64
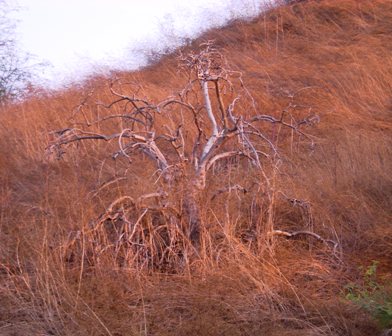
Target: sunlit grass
62, 274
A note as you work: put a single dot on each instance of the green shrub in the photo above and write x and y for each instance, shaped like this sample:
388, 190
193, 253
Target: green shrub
373, 296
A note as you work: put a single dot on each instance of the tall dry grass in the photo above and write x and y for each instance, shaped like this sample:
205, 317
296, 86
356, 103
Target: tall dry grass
62, 275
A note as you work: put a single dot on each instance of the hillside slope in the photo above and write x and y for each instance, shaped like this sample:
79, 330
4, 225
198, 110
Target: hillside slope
65, 266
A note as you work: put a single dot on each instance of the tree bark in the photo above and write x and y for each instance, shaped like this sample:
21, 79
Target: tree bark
194, 220
192, 212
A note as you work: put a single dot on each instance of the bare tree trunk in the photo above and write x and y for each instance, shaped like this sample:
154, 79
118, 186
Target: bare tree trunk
192, 213
191, 208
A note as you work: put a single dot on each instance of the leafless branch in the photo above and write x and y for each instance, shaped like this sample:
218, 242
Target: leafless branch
304, 233
236, 188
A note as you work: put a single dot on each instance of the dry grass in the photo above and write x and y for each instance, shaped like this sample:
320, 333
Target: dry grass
61, 275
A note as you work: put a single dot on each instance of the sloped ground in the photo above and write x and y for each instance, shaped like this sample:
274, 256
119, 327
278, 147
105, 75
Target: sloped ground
326, 59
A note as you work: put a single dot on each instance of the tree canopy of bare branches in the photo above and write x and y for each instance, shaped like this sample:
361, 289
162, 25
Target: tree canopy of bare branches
212, 120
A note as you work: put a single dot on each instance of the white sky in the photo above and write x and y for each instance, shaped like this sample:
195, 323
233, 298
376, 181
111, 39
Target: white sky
77, 37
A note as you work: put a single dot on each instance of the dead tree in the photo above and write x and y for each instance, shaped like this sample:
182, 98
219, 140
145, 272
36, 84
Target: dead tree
213, 119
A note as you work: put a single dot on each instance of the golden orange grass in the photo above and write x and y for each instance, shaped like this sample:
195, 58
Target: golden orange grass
61, 275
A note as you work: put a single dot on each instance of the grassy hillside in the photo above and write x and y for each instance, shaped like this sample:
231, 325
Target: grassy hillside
72, 262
